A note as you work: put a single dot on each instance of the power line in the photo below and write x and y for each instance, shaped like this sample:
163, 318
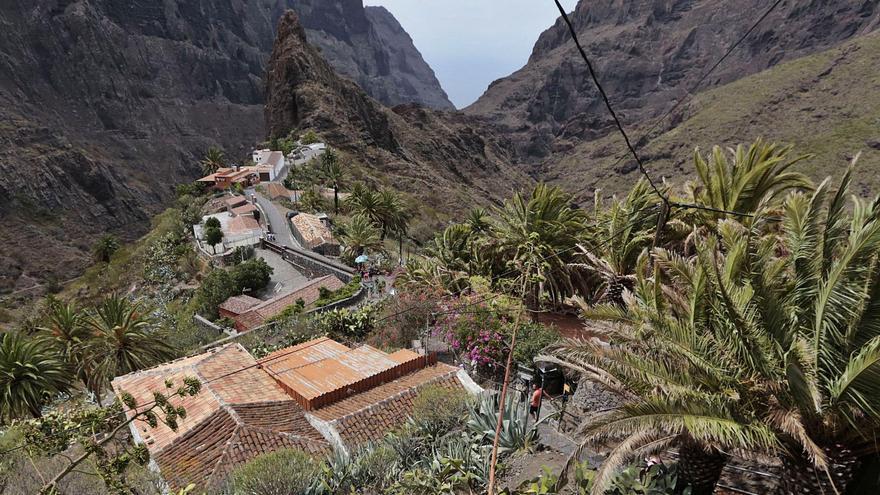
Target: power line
702, 78
608, 103
690, 91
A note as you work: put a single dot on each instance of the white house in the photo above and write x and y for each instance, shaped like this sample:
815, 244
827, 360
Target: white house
305, 153
273, 160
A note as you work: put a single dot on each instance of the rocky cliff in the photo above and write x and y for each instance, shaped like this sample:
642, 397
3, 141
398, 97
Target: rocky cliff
105, 105
446, 160
368, 46
647, 53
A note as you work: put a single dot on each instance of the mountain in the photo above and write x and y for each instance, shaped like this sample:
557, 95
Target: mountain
647, 54
368, 46
106, 105
826, 104
446, 161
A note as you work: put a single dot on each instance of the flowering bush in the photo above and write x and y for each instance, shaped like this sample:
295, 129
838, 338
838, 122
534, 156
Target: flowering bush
474, 331
405, 318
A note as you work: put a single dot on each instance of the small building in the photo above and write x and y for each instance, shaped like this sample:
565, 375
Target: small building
233, 202
249, 313
304, 153
314, 234
246, 209
317, 396
277, 192
272, 160
228, 177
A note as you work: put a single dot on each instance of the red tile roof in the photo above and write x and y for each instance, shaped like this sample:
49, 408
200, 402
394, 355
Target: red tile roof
234, 201
367, 416
244, 209
309, 293
277, 191
234, 418
323, 371
312, 230
240, 304
240, 225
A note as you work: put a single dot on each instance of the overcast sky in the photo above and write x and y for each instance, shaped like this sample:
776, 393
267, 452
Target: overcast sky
470, 43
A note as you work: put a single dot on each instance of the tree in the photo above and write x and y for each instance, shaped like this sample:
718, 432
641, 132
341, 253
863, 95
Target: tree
359, 235
124, 341
212, 222
96, 432
536, 232
66, 329
364, 201
213, 236
217, 287
31, 371
759, 343
310, 137
616, 238
214, 159
332, 170
252, 275
105, 247
756, 177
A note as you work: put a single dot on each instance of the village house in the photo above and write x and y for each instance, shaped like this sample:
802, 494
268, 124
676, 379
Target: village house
317, 396
274, 160
227, 177
313, 232
242, 229
306, 152
249, 313
277, 192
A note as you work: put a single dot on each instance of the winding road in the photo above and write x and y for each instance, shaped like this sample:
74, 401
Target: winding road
276, 220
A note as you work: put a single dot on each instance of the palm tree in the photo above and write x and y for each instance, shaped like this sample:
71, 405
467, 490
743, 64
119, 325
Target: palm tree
66, 328
214, 159
30, 372
359, 235
536, 235
364, 201
755, 176
618, 236
478, 220
123, 340
767, 343
105, 247
333, 172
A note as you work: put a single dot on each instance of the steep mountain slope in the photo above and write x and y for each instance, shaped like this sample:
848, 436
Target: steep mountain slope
106, 105
368, 46
443, 158
826, 104
647, 53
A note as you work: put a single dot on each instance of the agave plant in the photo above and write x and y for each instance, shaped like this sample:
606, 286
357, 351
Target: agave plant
516, 432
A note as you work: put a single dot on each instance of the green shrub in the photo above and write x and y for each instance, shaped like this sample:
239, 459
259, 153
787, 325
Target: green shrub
283, 472
326, 296
531, 339
212, 222
105, 247
251, 275
438, 409
345, 324
310, 137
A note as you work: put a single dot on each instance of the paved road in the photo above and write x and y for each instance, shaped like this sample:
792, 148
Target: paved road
285, 278
276, 220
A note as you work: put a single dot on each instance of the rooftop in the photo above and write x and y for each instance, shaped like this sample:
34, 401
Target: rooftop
308, 292
277, 191
234, 418
234, 201
312, 229
241, 225
323, 371
240, 304
244, 209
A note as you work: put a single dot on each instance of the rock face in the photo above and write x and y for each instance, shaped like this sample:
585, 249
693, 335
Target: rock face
444, 159
647, 53
368, 46
105, 105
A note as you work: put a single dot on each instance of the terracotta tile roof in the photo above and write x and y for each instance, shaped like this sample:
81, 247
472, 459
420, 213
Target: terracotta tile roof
244, 209
234, 418
234, 201
311, 230
367, 416
323, 371
240, 225
240, 304
277, 191
309, 293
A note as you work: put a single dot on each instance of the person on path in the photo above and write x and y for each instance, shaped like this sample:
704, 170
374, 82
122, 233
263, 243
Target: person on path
535, 403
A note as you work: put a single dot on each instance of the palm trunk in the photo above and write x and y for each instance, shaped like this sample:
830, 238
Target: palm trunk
801, 477
698, 468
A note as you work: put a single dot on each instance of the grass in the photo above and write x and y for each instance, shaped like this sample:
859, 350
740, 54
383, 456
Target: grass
826, 105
